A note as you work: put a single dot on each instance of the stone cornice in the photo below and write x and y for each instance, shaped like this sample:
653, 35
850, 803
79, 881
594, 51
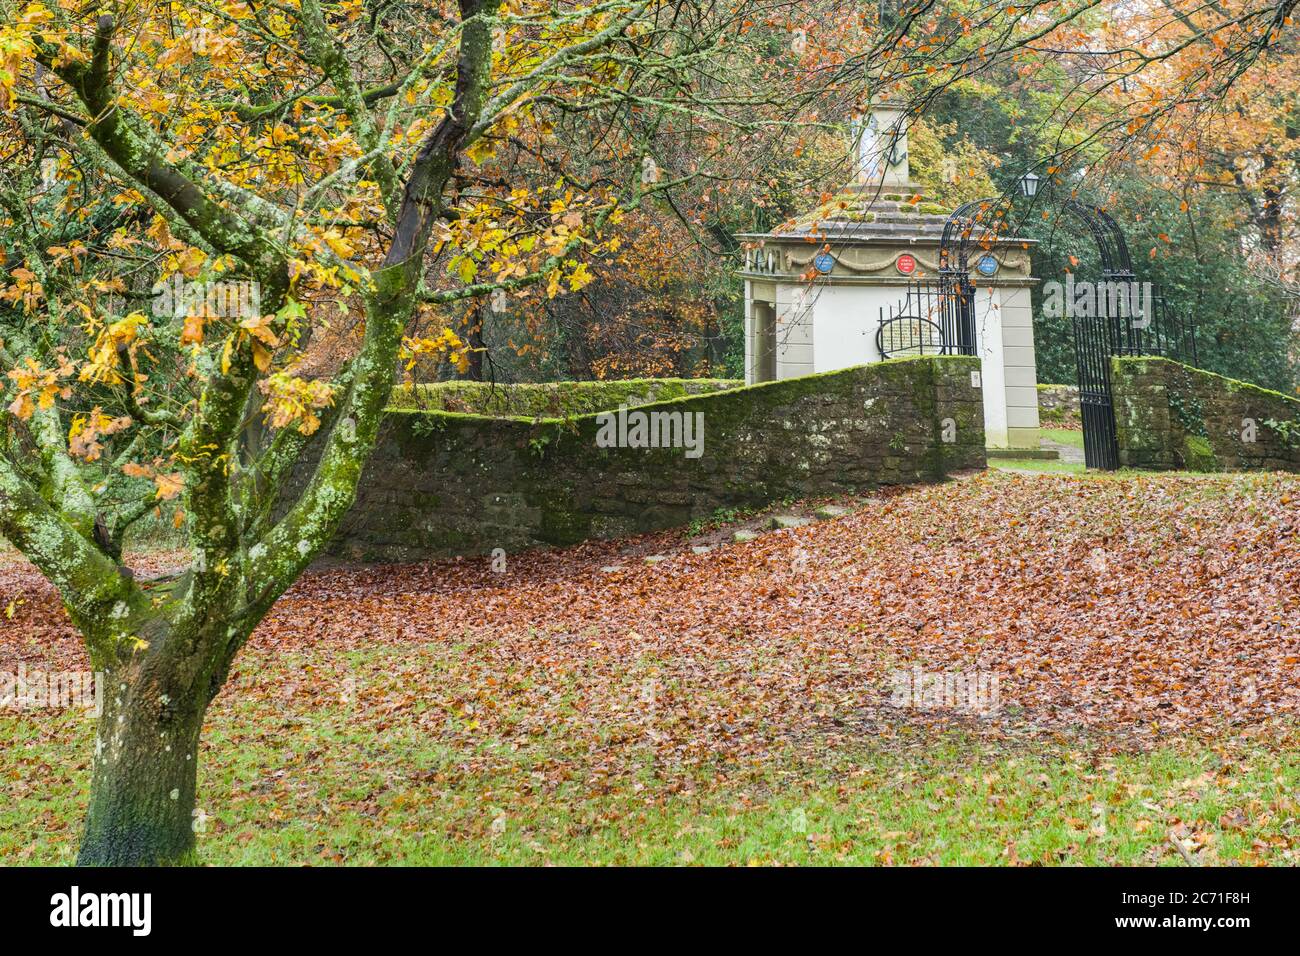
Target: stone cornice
1013, 263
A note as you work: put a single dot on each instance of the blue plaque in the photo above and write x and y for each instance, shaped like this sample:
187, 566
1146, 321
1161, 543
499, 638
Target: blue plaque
824, 262
987, 266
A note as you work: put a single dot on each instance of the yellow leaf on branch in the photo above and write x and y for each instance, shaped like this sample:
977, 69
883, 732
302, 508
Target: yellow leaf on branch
168, 485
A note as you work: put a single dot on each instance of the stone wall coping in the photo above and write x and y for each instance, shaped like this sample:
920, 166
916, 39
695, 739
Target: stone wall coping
713, 396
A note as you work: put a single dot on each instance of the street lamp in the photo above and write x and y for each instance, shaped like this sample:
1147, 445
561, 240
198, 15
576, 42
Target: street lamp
1029, 185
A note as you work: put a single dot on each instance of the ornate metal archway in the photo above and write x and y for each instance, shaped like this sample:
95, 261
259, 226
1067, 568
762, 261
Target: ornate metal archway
959, 233
1113, 326
1111, 245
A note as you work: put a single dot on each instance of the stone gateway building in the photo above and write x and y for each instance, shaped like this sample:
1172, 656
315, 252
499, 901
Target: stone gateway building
860, 283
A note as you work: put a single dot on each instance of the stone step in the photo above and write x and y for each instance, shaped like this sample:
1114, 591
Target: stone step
787, 521
906, 218
829, 512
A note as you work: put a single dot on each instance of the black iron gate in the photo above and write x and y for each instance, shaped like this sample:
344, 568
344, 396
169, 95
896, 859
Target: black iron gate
1092, 342
1113, 328
934, 318
1120, 315
1117, 316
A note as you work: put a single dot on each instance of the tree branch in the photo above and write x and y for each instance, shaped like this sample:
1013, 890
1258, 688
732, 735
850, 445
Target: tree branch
112, 127
94, 589
307, 527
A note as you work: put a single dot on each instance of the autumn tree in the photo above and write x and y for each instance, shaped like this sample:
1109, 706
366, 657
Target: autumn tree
339, 165
194, 193
312, 153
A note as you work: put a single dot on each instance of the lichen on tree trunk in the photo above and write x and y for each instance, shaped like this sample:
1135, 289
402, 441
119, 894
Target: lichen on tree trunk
144, 773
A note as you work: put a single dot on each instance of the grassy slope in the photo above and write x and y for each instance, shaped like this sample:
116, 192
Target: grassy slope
318, 785
338, 741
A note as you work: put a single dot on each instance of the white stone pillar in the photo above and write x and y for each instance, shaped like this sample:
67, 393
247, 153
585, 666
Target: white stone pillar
1020, 368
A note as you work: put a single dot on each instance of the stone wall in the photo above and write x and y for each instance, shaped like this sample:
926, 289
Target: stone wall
1058, 405
1169, 415
443, 483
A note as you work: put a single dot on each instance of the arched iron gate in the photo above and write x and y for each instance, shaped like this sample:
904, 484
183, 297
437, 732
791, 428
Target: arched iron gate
1126, 317
937, 317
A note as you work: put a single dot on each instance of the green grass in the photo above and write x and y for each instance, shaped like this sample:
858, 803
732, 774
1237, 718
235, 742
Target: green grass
1057, 467
1063, 436
287, 779
1044, 465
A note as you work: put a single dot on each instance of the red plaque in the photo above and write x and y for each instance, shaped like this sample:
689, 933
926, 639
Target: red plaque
905, 264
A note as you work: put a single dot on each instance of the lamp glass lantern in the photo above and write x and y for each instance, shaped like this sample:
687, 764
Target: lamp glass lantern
1029, 185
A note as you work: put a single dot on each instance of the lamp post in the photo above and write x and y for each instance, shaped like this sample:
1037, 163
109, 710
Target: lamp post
1029, 185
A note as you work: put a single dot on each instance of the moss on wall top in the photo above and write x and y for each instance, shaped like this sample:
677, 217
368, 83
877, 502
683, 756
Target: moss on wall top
550, 399
721, 396
1170, 415
1132, 364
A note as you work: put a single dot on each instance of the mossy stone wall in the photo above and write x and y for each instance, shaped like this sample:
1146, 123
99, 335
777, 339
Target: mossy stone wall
1169, 415
1058, 404
443, 483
